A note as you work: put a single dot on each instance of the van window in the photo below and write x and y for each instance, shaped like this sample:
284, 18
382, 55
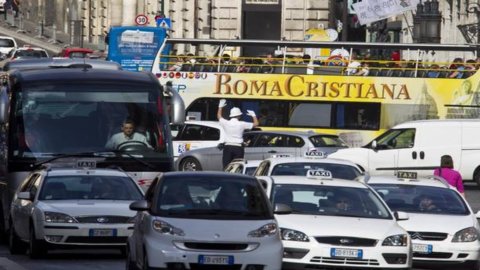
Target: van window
396, 139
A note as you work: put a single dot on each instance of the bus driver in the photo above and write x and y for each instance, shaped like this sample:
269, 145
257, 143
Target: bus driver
128, 134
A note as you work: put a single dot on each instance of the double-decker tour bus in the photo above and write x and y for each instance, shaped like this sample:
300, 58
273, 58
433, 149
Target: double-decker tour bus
69, 114
289, 89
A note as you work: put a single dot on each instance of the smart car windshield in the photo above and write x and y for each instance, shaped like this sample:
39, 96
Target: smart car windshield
205, 197
330, 201
422, 199
89, 187
300, 168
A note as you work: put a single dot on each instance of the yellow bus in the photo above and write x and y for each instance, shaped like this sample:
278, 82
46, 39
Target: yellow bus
317, 94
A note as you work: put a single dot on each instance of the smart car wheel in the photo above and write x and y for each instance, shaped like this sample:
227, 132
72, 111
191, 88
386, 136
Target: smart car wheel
36, 248
190, 164
15, 245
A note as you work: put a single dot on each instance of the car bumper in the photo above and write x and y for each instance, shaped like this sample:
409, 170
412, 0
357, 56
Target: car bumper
85, 234
446, 252
267, 253
298, 257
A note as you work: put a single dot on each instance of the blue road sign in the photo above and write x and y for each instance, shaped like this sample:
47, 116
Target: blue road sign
164, 23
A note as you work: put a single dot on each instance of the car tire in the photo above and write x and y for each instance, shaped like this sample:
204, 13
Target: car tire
190, 164
130, 265
15, 245
36, 248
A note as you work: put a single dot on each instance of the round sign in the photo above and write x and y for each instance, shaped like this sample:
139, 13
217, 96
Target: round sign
141, 19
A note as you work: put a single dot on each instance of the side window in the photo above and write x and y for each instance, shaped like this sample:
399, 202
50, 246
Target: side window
191, 133
35, 186
249, 140
210, 134
293, 141
26, 186
396, 139
405, 139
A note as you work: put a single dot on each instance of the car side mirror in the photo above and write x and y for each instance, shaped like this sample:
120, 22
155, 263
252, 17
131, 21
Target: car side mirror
282, 209
478, 215
374, 144
25, 196
139, 206
399, 215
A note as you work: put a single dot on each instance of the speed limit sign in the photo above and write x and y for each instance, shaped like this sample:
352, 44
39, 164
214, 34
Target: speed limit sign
141, 19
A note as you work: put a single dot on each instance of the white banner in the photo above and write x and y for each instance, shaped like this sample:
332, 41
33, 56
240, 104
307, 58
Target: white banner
369, 11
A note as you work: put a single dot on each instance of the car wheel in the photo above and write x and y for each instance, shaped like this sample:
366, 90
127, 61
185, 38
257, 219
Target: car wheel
36, 248
130, 265
190, 164
15, 245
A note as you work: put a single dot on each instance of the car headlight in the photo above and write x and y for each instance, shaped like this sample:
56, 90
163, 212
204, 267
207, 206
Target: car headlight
292, 235
266, 230
53, 217
165, 228
396, 240
469, 234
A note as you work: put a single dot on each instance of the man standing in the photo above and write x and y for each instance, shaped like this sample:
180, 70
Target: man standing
234, 129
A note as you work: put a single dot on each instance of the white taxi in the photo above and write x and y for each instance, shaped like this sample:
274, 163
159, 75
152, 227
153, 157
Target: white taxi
196, 134
243, 166
443, 227
337, 223
60, 207
313, 160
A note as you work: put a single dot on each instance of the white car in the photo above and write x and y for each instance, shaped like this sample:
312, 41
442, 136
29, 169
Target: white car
27, 52
64, 207
7, 44
242, 166
316, 160
196, 134
204, 220
443, 227
337, 223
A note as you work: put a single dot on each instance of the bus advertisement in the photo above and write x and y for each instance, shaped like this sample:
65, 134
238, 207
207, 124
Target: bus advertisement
291, 94
135, 47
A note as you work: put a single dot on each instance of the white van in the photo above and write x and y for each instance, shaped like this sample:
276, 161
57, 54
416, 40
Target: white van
418, 145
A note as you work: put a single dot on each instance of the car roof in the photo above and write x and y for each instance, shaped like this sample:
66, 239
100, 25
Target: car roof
56, 62
219, 176
251, 162
282, 160
430, 181
304, 180
288, 132
76, 171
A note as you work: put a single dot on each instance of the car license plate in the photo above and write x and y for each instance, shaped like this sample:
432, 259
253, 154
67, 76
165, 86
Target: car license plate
102, 232
346, 253
222, 260
422, 248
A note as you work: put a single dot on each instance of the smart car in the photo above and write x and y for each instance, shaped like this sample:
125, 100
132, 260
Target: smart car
204, 220
443, 227
336, 223
62, 207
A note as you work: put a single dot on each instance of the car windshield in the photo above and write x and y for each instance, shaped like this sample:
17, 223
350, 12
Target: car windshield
300, 168
205, 197
330, 201
327, 141
31, 53
89, 187
422, 199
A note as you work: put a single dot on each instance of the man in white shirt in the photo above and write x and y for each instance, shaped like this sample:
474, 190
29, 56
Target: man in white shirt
234, 129
128, 134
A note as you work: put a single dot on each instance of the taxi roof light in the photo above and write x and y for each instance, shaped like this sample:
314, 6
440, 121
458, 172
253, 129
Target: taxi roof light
319, 174
315, 154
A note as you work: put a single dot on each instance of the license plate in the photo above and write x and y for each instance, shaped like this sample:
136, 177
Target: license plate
221, 260
102, 232
346, 253
422, 248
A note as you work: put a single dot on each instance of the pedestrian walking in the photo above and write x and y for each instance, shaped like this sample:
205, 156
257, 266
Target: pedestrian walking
234, 129
452, 176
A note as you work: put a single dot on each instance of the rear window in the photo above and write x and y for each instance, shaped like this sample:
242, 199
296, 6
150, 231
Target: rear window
327, 141
6, 43
31, 53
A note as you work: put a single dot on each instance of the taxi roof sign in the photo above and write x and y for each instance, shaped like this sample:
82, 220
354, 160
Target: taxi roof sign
86, 164
319, 174
315, 154
407, 175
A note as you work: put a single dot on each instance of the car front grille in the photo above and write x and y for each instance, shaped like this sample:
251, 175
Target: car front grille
345, 261
428, 236
96, 240
103, 219
433, 255
347, 241
216, 246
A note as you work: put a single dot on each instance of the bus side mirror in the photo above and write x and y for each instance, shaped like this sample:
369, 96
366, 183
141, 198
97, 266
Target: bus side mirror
177, 109
3, 105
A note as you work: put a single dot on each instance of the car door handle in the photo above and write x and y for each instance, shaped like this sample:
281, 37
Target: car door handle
414, 155
422, 155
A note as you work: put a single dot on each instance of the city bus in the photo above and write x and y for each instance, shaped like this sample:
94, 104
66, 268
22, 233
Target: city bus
68, 114
317, 94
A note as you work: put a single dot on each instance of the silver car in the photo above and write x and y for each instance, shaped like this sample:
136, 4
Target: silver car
260, 145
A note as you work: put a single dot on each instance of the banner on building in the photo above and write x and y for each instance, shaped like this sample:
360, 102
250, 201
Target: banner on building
376, 10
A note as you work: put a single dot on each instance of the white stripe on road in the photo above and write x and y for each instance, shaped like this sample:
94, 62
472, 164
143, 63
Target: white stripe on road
9, 265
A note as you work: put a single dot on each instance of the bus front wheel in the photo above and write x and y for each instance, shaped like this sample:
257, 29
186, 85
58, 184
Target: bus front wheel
190, 164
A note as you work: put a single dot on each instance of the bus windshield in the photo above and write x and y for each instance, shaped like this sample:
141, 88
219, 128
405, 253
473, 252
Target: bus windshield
53, 119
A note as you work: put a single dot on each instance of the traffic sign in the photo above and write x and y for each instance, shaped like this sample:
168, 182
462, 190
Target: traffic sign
141, 19
164, 23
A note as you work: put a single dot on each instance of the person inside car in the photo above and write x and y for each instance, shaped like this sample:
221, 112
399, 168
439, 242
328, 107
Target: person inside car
426, 204
127, 135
